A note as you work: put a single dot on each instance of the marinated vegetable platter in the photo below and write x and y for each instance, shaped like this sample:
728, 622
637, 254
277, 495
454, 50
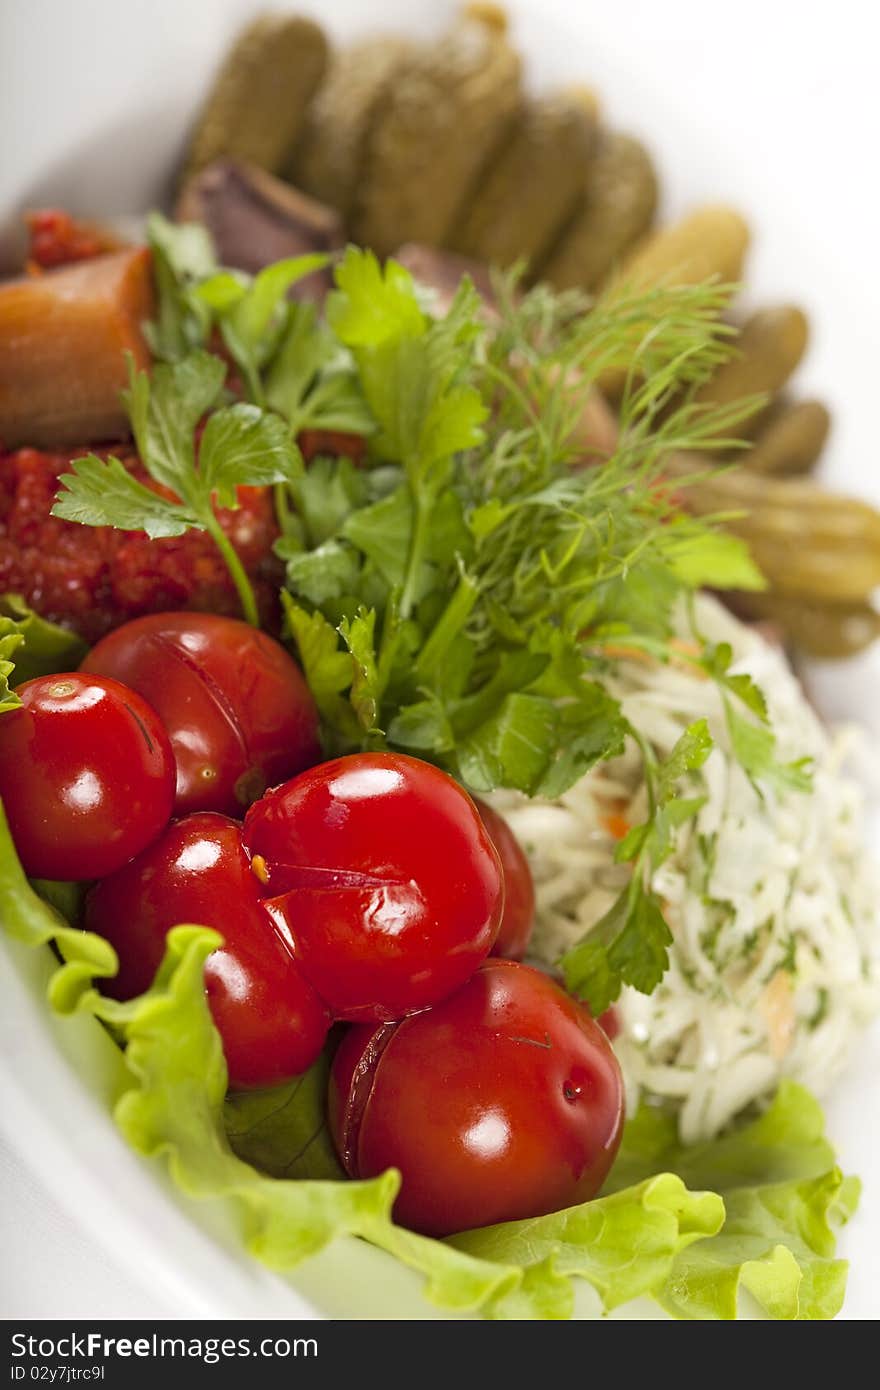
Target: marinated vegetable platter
505, 595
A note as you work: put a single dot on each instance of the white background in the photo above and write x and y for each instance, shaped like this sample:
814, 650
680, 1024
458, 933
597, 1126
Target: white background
770, 104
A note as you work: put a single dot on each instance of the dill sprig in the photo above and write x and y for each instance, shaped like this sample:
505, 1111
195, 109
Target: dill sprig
555, 541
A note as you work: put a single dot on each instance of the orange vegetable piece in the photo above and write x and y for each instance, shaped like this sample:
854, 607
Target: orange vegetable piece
616, 824
62, 338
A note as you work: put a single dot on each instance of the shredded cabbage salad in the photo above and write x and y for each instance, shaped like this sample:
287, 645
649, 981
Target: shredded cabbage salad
769, 894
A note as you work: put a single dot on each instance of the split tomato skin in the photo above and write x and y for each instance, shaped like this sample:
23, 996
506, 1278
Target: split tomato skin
379, 868
270, 1020
502, 1103
86, 775
236, 705
519, 887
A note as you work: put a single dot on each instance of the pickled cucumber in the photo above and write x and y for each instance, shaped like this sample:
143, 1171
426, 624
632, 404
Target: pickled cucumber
256, 107
769, 347
790, 440
493, 16
330, 151
533, 183
832, 631
448, 108
710, 242
619, 201
809, 543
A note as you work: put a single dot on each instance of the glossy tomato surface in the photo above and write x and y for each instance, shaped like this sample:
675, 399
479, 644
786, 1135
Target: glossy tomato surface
382, 872
270, 1020
503, 1102
86, 775
236, 706
519, 888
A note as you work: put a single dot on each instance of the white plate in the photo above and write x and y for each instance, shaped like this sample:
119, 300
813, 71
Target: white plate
774, 109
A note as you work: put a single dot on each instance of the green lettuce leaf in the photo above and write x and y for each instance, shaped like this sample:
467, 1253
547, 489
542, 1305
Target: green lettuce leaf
784, 1197
10, 642
173, 1107
40, 648
269, 1155
29, 647
282, 1132
623, 1245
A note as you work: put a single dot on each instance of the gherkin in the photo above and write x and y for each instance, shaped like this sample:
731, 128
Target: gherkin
790, 439
619, 201
448, 108
329, 154
769, 347
709, 242
810, 544
832, 631
256, 106
533, 183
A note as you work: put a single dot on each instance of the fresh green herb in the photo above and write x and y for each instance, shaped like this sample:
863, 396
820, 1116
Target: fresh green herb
754, 747
497, 573
462, 590
312, 381
287, 358
716, 661
252, 313
715, 558
414, 371
820, 1013
241, 444
630, 944
183, 255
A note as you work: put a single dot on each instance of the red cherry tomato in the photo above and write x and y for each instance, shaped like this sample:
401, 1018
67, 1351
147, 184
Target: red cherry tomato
381, 870
609, 1022
503, 1102
270, 1020
86, 775
237, 709
336, 443
519, 888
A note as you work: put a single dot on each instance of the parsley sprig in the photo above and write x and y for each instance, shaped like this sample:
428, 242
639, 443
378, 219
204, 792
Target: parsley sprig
240, 445
630, 944
752, 741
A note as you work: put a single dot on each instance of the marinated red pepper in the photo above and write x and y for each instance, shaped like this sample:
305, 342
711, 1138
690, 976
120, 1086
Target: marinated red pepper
93, 578
56, 239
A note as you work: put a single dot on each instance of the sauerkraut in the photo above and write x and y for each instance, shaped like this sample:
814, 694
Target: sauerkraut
770, 896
